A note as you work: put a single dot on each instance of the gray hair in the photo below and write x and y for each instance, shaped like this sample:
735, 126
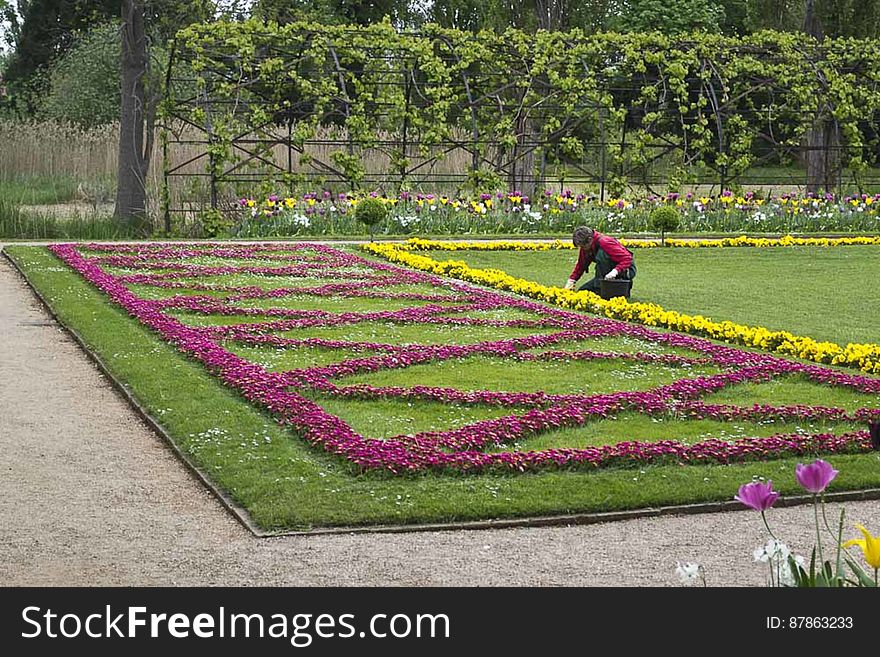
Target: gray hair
582, 236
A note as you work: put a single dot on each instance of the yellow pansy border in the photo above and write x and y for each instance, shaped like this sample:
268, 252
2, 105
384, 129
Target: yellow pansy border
865, 357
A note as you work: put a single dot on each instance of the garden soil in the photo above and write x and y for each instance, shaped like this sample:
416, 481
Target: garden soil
90, 496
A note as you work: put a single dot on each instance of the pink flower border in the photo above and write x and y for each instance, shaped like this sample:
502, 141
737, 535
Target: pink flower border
461, 449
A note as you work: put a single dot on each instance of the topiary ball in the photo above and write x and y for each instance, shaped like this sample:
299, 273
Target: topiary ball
664, 218
370, 211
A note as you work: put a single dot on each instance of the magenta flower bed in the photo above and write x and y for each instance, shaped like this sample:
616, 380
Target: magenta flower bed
463, 449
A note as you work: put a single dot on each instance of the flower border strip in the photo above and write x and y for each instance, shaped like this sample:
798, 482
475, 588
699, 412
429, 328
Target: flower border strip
417, 244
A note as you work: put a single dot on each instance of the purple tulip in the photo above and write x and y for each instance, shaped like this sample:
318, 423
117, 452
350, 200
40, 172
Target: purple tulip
757, 496
816, 476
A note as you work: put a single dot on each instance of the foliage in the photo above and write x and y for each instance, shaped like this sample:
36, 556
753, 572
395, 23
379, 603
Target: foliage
671, 16
46, 31
704, 103
664, 218
84, 84
214, 223
370, 212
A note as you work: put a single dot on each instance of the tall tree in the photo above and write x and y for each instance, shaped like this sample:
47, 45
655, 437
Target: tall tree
134, 123
44, 30
849, 18
670, 16
822, 138
736, 19
10, 23
143, 21
530, 15
289, 11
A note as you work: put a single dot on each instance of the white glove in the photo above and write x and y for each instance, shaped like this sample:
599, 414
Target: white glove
570, 284
610, 276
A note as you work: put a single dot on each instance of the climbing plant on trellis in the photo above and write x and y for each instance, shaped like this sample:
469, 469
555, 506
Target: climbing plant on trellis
369, 108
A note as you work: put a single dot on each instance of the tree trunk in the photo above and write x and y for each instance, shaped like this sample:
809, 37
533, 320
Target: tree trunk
812, 25
131, 188
822, 139
823, 155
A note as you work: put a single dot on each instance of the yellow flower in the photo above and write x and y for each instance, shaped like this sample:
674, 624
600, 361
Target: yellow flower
863, 356
870, 546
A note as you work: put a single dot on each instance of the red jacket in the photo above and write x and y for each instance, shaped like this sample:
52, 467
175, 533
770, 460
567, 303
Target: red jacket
621, 258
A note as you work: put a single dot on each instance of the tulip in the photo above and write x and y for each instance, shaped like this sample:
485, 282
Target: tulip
870, 548
757, 496
815, 477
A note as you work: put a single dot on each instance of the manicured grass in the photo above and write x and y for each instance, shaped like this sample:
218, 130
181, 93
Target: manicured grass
791, 391
824, 293
389, 333
636, 426
553, 377
284, 483
337, 304
386, 418
279, 360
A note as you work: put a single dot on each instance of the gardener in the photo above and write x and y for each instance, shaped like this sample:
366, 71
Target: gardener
613, 260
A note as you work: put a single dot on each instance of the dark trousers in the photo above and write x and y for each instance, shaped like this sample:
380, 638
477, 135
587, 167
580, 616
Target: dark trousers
604, 264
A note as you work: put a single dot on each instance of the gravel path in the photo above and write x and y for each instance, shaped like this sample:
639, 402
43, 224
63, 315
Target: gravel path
90, 496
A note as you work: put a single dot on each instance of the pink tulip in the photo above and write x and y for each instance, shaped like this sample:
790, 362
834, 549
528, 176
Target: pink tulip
757, 496
816, 476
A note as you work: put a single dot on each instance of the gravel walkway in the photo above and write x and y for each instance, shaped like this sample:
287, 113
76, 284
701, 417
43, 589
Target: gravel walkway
90, 496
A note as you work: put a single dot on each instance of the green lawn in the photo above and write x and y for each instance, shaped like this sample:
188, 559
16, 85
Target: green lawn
825, 293
286, 484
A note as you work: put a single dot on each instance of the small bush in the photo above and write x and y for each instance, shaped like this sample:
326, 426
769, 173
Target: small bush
214, 223
664, 218
370, 212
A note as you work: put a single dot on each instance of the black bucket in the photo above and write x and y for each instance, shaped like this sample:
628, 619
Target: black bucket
615, 287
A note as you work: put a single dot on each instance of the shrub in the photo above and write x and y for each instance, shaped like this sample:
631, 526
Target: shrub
664, 218
214, 223
370, 212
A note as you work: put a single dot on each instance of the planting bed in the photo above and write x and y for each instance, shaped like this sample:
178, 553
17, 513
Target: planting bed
400, 374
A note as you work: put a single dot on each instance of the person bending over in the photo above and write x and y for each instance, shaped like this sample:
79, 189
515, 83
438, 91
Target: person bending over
613, 259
